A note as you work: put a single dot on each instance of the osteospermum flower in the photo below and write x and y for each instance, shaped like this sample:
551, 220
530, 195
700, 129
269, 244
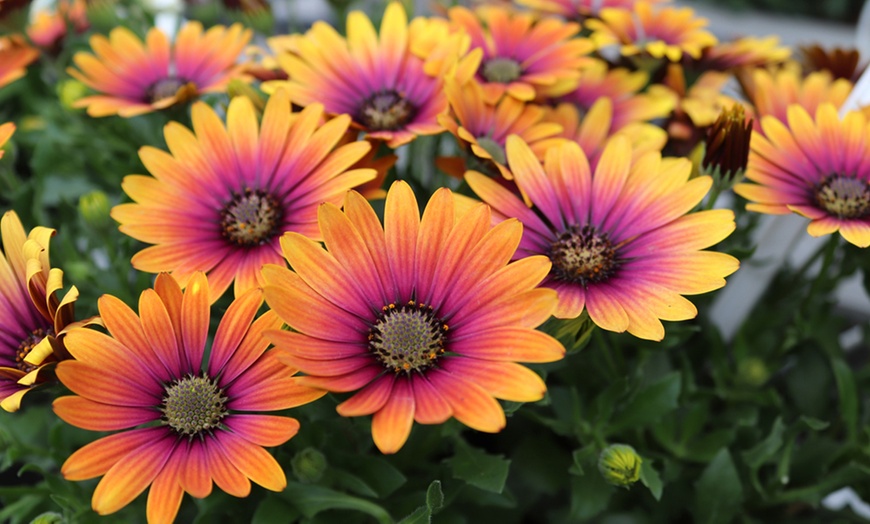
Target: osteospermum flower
374, 79
623, 244
773, 92
666, 32
623, 87
580, 8
221, 198
748, 51
520, 55
15, 56
840, 62
818, 168
136, 77
482, 129
188, 420
423, 319
49, 28
35, 321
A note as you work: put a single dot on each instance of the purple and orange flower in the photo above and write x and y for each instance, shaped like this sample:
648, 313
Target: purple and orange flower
424, 319
35, 320
580, 9
520, 55
375, 79
624, 246
15, 56
221, 198
187, 421
773, 92
818, 168
138, 77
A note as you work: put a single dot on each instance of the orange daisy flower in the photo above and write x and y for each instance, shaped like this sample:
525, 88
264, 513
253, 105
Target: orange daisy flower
666, 32
187, 422
49, 28
376, 80
35, 321
424, 317
748, 51
773, 92
818, 168
592, 130
520, 55
15, 56
223, 195
138, 77
482, 129
623, 244
623, 88
580, 9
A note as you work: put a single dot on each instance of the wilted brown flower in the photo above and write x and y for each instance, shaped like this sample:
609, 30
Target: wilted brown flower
727, 146
841, 62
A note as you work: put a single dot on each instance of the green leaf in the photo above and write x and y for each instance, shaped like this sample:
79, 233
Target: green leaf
765, 450
590, 495
273, 509
718, 492
650, 404
848, 395
479, 469
311, 500
814, 423
434, 497
376, 472
421, 515
583, 456
650, 478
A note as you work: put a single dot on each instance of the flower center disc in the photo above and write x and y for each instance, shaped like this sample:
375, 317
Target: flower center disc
251, 219
164, 88
407, 338
501, 70
845, 197
386, 111
193, 405
26, 346
583, 255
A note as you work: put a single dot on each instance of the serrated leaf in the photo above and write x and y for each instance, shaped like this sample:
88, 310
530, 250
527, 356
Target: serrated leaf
650, 478
311, 500
434, 497
487, 472
718, 492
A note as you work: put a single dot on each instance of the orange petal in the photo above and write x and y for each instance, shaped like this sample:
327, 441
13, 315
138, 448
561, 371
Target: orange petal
131, 475
471, 405
391, 425
369, 399
87, 414
95, 459
510, 344
263, 430
503, 380
252, 461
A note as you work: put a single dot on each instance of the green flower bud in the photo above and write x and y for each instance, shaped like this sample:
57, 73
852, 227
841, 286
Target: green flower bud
94, 208
49, 517
308, 465
752, 372
69, 91
619, 464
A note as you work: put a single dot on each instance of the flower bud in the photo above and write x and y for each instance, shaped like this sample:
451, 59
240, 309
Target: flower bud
69, 91
619, 464
727, 147
308, 465
94, 208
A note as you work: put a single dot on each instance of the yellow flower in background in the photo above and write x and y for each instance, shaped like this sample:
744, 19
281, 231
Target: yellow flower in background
772, 92
748, 51
136, 77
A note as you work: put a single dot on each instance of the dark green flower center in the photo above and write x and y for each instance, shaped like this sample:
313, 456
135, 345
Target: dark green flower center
407, 338
163, 88
844, 196
251, 218
27, 345
582, 255
501, 70
194, 405
386, 111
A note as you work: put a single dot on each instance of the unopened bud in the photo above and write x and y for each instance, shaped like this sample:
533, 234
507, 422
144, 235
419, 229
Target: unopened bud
69, 91
727, 147
619, 464
308, 465
94, 208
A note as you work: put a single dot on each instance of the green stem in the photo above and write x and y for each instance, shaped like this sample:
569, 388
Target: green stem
829, 250
712, 197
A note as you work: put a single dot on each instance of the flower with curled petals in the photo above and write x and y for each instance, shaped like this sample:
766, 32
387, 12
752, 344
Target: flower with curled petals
816, 167
519, 54
35, 321
220, 199
374, 78
623, 244
187, 421
136, 77
424, 319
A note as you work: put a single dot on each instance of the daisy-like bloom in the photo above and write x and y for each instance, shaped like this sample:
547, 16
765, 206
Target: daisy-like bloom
818, 168
623, 88
262, 63
666, 32
580, 9
593, 129
748, 51
773, 92
520, 55
188, 422
425, 317
840, 62
374, 79
15, 56
482, 129
138, 77
623, 244
223, 195
35, 320
50, 27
